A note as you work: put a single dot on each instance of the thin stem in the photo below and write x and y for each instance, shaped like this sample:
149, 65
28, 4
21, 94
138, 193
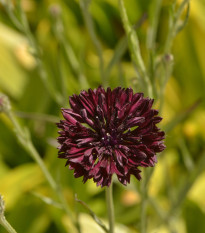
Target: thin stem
199, 168
28, 146
24, 139
151, 42
6, 225
134, 48
37, 116
22, 24
68, 52
110, 208
173, 27
3, 220
92, 214
84, 4
190, 180
168, 68
122, 80
143, 206
152, 33
74, 63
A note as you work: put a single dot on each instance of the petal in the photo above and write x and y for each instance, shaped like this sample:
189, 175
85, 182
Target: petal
84, 141
69, 118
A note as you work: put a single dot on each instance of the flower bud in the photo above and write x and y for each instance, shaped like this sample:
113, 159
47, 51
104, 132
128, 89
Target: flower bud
55, 10
168, 58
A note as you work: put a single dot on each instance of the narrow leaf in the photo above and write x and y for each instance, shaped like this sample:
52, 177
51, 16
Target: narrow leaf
181, 117
92, 214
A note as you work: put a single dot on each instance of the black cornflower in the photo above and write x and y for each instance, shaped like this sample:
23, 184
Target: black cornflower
107, 132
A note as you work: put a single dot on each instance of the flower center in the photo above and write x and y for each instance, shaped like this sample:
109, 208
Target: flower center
109, 139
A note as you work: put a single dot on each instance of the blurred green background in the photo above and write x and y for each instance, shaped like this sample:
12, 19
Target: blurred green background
71, 63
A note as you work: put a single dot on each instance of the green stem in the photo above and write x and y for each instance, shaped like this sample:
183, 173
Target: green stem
20, 21
151, 43
84, 4
134, 48
173, 27
199, 168
143, 204
3, 220
110, 208
28, 146
152, 33
92, 214
25, 141
37, 116
6, 224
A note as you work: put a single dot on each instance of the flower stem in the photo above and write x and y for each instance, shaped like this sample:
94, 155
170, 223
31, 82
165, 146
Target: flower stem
6, 225
25, 140
18, 18
110, 208
3, 220
143, 205
134, 47
84, 4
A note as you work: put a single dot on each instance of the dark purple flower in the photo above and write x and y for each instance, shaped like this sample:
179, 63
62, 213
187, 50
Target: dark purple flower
107, 132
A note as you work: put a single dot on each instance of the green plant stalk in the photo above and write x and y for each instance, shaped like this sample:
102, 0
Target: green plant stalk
173, 27
151, 43
180, 117
68, 52
151, 38
134, 47
74, 63
194, 174
93, 215
37, 116
110, 207
160, 212
143, 221
62, 77
120, 49
168, 68
122, 80
199, 168
186, 155
25, 141
3, 220
84, 4
23, 26
6, 225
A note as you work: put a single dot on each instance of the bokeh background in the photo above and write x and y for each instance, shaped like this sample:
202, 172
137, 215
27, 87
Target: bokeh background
70, 64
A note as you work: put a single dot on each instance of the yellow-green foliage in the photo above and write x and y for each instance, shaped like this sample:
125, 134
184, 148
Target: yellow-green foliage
60, 55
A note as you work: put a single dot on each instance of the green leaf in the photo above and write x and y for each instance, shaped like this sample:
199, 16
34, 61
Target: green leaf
179, 118
92, 214
194, 218
12, 76
117, 55
18, 181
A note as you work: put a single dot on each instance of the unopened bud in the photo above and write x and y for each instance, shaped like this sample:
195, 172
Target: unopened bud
55, 10
168, 58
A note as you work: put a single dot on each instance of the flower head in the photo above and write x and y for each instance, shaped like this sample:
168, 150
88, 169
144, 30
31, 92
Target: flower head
107, 132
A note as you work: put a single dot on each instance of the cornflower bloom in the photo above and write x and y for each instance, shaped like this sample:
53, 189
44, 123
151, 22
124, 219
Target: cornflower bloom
109, 131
